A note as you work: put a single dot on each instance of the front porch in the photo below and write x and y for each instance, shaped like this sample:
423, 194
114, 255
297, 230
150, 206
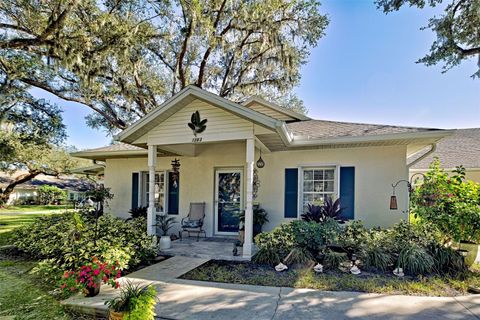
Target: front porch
206, 248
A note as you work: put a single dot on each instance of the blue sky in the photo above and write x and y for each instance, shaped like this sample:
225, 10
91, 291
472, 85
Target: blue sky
363, 70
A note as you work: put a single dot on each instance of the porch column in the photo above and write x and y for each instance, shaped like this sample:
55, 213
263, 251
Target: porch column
247, 246
152, 163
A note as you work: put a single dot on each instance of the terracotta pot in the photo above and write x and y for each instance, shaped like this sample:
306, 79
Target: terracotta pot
114, 315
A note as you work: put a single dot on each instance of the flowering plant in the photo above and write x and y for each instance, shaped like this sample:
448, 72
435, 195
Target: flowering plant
91, 276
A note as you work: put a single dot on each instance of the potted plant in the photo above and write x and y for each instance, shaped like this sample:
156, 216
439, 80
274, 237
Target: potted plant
134, 302
89, 278
260, 217
165, 223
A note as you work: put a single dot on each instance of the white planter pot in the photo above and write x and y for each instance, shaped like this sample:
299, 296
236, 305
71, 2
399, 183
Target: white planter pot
165, 242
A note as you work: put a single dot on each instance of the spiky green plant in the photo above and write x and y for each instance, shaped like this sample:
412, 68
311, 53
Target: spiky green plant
376, 257
333, 259
298, 256
267, 256
415, 260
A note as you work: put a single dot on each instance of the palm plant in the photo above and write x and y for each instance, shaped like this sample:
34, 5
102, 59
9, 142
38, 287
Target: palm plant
165, 223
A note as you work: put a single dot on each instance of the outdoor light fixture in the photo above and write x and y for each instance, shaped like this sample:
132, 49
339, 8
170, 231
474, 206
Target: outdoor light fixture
175, 171
393, 198
260, 162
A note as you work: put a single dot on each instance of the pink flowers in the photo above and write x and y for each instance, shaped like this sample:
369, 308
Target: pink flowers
91, 276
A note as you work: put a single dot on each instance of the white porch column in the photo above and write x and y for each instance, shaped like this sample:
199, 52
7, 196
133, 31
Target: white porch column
247, 245
152, 163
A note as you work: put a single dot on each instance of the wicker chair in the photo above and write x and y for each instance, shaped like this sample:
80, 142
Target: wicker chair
193, 222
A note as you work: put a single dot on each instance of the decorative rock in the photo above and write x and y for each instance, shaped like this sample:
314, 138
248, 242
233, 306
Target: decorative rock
318, 268
280, 267
355, 270
398, 272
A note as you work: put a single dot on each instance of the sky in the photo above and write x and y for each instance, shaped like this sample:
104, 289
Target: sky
363, 70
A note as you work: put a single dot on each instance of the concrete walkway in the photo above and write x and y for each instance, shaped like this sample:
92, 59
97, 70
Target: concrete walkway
185, 299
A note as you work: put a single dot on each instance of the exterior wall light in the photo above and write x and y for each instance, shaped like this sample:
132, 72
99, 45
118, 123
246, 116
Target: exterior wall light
260, 162
393, 198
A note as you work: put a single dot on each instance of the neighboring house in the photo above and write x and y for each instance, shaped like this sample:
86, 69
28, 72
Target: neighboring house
305, 160
26, 193
460, 148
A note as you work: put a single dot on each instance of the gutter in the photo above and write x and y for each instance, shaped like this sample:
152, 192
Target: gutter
426, 154
290, 140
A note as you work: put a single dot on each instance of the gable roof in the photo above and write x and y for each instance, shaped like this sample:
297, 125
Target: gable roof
292, 114
186, 95
460, 148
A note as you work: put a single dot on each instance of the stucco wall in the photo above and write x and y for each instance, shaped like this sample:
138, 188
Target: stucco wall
376, 168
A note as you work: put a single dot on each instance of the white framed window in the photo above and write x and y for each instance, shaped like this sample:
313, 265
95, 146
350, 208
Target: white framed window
317, 183
160, 190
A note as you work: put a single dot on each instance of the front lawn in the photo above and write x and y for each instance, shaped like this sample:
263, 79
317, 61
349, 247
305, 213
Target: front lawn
9, 222
24, 296
35, 208
386, 283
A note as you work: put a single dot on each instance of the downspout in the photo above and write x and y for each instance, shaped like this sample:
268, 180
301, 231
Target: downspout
426, 154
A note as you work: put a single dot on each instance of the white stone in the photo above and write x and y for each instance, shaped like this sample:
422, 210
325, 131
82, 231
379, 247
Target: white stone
398, 272
281, 267
355, 270
318, 268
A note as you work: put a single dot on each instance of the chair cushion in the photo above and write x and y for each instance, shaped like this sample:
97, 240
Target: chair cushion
191, 224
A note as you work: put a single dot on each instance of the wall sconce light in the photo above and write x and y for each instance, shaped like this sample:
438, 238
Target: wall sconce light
175, 171
260, 162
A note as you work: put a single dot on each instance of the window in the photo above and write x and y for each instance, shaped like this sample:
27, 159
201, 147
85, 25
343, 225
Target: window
160, 190
318, 183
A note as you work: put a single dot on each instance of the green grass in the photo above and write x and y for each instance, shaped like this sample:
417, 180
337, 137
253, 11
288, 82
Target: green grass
34, 208
24, 296
8, 222
249, 273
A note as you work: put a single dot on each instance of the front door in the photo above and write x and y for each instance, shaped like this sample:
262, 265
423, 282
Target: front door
228, 200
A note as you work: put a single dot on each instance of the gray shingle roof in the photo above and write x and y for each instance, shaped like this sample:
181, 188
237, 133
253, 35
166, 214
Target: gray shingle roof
333, 129
116, 147
461, 148
63, 181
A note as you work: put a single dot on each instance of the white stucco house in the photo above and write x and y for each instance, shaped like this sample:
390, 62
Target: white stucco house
305, 160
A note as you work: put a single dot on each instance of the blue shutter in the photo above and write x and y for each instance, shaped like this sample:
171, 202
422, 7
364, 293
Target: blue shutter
291, 193
347, 191
135, 177
173, 195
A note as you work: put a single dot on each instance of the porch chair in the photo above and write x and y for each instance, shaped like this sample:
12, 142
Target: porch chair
193, 222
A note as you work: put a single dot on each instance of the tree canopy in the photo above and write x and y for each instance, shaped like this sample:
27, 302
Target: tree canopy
123, 58
457, 30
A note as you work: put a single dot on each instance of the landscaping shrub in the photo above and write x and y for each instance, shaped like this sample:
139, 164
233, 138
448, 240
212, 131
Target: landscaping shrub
333, 259
267, 255
298, 255
446, 260
69, 240
328, 210
376, 257
51, 194
415, 260
449, 204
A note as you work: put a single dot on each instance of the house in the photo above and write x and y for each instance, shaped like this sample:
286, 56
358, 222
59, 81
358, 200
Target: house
460, 148
26, 193
218, 144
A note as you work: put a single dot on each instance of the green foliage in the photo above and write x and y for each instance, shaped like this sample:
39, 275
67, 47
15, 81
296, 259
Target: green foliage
377, 257
50, 194
124, 58
415, 260
260, 216
449, 204
137, 301
281, 238
68, 240
328, 210
267, 255
298, 255
165, 223
139, 212
333, 259
447, 260
457, 30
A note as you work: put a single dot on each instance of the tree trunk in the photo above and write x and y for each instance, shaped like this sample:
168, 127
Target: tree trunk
5, 193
